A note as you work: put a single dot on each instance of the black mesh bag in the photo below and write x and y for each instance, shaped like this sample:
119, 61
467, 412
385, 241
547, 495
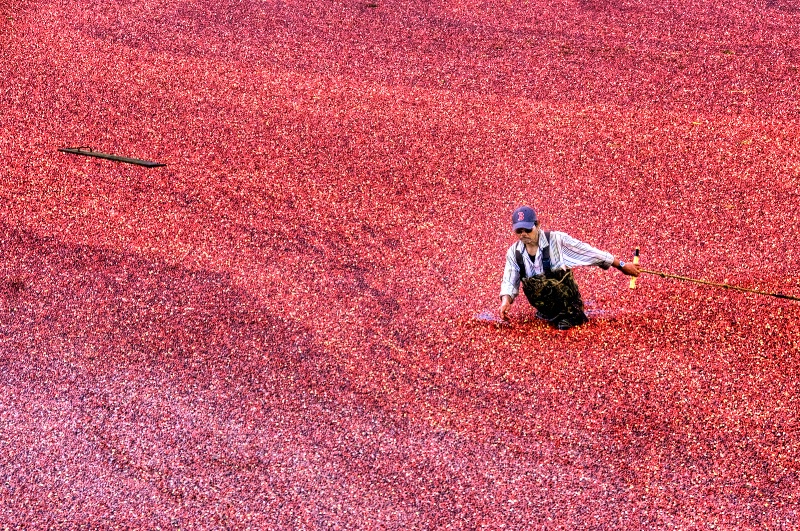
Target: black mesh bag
556, 296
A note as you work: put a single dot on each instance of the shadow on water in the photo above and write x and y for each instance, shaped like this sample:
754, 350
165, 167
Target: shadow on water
104, 311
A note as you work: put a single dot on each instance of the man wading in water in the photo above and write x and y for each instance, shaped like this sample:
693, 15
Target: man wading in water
541, 261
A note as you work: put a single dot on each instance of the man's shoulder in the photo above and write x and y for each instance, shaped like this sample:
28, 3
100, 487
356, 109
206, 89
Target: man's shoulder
555, 235
516, 246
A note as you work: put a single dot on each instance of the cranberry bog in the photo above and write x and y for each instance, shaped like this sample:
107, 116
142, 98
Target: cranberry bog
285, 326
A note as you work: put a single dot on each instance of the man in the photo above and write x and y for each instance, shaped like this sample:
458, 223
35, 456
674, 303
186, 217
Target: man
541, 262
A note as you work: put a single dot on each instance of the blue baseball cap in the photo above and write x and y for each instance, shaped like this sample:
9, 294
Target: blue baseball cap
523, 218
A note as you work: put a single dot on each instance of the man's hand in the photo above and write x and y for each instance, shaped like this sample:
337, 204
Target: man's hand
505, 305
630, 269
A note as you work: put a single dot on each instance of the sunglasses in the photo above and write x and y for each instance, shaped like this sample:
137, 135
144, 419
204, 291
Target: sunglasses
526, 231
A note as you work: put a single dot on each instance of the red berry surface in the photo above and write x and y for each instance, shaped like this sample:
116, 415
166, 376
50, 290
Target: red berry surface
279, 329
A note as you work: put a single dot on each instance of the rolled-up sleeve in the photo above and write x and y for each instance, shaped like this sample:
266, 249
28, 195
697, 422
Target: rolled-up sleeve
510, 284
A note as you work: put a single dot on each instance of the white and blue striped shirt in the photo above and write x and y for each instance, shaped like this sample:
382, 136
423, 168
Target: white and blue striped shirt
565, 252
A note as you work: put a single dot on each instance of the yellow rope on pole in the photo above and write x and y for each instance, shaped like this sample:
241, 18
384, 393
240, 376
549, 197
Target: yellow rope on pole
726, 286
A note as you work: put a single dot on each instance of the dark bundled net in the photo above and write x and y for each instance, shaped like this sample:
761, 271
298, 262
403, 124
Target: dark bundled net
556, 296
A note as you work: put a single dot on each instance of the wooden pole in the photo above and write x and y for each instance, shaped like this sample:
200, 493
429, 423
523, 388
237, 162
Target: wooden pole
89, 152
636, 262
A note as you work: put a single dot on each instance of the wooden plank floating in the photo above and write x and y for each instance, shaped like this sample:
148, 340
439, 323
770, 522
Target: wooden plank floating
89, 152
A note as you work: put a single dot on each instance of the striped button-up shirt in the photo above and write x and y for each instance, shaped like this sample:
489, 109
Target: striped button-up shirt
565, 252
